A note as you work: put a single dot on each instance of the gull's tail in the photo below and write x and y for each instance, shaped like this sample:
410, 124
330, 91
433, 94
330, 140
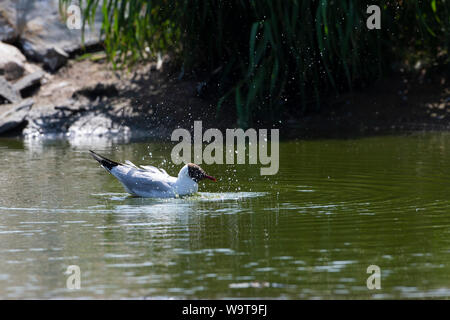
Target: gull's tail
106, 163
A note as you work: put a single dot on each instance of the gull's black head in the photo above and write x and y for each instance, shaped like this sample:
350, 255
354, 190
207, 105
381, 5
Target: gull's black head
197, 174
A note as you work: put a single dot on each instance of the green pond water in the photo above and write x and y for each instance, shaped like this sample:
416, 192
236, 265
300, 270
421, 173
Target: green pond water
311, 231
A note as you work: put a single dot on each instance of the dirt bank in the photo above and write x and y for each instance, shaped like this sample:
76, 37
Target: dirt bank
86, 98
399, 103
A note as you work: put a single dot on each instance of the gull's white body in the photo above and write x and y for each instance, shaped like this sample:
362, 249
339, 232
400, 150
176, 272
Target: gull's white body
151, 182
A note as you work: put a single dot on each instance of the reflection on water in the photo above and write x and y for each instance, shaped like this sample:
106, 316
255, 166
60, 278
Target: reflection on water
311, 231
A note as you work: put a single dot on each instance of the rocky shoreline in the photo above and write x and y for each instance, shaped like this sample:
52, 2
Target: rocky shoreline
53, 87
88, 99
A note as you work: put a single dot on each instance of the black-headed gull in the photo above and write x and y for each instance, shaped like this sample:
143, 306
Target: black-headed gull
151, 182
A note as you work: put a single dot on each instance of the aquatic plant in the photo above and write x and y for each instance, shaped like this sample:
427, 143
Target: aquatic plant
270, 56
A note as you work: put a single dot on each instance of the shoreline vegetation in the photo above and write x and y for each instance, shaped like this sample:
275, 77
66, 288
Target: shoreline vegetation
310, 68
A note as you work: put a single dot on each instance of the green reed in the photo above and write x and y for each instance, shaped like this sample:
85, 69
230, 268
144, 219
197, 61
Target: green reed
274, 57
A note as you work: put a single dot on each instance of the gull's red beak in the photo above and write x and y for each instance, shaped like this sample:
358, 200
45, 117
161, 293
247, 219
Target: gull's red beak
210, 178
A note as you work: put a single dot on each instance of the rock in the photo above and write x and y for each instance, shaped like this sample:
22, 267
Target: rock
7, 32
53, 120
28, 81
12, 62
13, 115
66, 121
8, 92
45, 120
10, 53
41, 27
55, 58
12, 71
97, 125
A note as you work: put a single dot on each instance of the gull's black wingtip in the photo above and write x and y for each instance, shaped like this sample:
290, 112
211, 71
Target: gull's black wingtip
106, 163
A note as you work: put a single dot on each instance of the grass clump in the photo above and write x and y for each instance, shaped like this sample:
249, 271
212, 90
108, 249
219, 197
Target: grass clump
272, 57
